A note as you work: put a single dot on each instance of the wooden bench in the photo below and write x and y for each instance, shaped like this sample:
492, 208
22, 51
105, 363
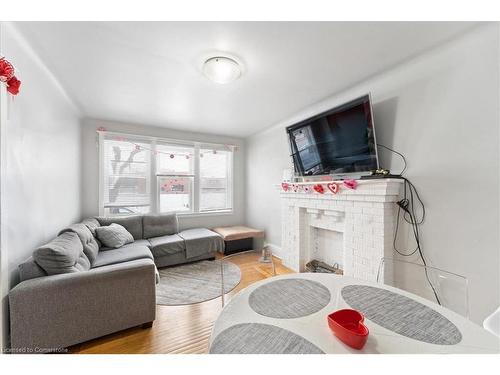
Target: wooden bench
238, 238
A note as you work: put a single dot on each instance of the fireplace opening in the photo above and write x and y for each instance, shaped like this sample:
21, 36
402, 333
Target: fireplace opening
327, 250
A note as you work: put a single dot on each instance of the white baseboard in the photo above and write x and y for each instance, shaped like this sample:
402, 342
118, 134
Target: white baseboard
277, 252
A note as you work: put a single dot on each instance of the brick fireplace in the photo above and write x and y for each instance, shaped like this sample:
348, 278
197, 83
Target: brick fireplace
354, 228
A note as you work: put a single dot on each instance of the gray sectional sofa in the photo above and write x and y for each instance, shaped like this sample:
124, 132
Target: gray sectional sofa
73, 289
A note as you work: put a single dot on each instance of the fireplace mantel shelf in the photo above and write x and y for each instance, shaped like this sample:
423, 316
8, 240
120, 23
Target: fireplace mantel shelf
374, 181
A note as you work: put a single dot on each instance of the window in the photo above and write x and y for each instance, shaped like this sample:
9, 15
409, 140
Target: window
144, 174
214, 180
175, 173
126, 178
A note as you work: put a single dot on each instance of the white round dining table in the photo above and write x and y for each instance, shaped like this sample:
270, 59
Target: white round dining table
314, 327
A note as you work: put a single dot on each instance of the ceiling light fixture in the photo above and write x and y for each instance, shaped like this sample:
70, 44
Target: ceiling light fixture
222, 69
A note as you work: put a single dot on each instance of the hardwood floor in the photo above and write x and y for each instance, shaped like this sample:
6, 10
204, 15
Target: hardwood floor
180, 329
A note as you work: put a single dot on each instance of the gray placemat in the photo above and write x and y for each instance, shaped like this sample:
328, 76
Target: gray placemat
289, 298
257, 338
402, 315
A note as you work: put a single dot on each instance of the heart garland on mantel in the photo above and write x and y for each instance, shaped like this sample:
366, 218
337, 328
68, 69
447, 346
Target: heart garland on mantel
333, 187
319, 188
350, 184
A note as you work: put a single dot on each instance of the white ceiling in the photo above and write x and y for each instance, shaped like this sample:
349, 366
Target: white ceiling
149, 72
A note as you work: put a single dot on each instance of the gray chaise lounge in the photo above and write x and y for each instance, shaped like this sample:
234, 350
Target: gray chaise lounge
73, 290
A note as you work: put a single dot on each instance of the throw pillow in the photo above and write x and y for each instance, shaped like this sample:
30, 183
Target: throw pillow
114, 235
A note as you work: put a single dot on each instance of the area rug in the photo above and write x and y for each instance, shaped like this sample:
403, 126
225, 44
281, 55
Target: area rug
195, 282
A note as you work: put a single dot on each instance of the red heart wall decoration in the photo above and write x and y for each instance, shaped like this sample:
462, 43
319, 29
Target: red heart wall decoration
319, 188
333, 187
284, 186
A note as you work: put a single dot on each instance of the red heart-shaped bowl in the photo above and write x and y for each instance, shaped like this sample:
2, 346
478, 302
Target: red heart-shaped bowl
348, 326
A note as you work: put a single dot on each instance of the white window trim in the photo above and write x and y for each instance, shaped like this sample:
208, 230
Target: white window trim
155, 204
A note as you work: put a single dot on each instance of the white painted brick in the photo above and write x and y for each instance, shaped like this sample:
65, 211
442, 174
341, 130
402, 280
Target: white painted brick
367, 224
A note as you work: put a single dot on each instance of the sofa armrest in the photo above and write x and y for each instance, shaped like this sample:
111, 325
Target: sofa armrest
54, 312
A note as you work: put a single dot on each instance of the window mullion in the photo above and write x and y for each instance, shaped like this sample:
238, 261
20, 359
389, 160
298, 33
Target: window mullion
230, 180
196, 179
102, 172
154, 191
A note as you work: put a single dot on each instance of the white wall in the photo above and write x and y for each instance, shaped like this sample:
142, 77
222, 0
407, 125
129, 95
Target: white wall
91, 169
441, 110
42, 164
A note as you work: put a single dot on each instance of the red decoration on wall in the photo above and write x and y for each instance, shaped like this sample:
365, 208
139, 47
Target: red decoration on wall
13, 85
319, 188
333, 187
6, 70
7, 76
295, 188
285, 186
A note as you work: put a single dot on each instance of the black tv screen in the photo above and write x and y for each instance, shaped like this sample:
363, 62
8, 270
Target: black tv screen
341, 140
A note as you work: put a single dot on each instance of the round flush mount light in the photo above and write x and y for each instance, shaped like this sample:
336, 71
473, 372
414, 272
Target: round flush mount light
221, 69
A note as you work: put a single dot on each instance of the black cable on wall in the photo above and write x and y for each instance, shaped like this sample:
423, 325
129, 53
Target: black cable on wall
409, 207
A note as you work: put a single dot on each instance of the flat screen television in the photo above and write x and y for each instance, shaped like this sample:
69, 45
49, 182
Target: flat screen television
336, 142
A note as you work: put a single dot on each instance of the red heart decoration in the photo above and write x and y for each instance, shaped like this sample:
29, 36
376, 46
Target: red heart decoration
348, 326
284, 186
351, 184
319, 188
334, 187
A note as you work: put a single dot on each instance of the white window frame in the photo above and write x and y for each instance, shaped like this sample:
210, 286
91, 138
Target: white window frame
229, 176
154, 189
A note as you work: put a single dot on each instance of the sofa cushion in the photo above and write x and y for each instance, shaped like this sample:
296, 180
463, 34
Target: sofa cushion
122, 254
160, 225
114, 235
89, 243
238, 233
64, 254
145, 243
200, 241
166, 245
92, 224
29, 269
132, 224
